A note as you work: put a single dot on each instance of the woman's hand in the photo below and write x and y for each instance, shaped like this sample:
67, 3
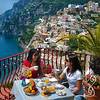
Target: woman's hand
48, 75
61, 77
78, 87
31, 68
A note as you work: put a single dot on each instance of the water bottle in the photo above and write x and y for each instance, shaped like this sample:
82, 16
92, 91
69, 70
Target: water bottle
23, 82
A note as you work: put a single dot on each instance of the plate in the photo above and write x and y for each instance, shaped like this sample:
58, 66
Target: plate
49, 89
31, 94
59, 86
41, 84
61, 92
53, 80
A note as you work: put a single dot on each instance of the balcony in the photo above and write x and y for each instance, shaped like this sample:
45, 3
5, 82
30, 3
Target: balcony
10, 67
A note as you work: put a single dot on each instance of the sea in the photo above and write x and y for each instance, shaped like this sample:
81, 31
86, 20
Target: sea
9, 46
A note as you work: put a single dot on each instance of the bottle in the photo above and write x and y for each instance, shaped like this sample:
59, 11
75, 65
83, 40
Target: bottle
23, 82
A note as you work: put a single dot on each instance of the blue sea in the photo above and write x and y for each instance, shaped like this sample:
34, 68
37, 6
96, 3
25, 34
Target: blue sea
9, 46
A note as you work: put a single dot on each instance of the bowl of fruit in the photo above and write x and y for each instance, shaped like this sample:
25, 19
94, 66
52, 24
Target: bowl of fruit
31, 89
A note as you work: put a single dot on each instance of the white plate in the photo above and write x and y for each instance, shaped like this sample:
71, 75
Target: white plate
53, 80
59, 86
61, 92
41, 84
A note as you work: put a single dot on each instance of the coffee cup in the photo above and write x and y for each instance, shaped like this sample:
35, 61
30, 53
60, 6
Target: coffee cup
36, 67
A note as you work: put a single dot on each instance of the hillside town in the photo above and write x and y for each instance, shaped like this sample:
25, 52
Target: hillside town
53, 30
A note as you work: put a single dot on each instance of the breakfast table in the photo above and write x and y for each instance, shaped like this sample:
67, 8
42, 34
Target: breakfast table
17, 90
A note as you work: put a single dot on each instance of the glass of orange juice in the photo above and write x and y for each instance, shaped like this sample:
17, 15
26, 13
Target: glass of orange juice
47, 81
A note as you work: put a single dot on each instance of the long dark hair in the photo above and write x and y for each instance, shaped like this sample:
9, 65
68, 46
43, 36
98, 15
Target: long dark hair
36, 53
75, 63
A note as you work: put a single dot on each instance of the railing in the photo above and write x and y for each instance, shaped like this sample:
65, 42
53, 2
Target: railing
11, 65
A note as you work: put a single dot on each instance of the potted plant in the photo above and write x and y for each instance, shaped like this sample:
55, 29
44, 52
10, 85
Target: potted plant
89, 42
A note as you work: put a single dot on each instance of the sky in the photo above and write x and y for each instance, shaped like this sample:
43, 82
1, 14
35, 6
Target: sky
6, 5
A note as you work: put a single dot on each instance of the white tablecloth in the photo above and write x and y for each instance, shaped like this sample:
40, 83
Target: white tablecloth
17, 90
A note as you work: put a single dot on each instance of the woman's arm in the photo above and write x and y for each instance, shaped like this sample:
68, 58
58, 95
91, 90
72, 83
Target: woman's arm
61, 77
31, 68
85, 83
78, 86
25, 67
